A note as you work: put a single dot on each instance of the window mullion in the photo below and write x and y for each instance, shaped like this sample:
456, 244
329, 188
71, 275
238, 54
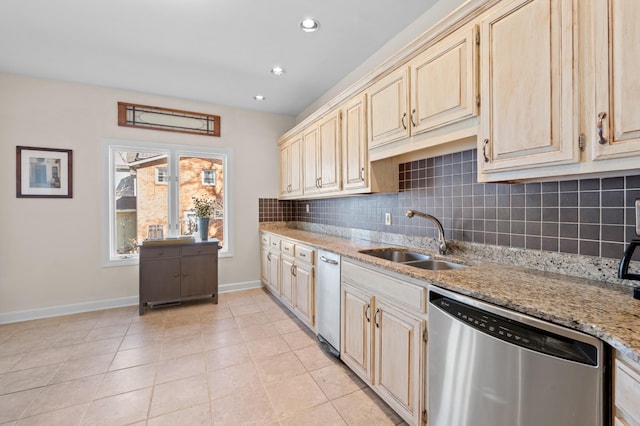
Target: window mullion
174, 205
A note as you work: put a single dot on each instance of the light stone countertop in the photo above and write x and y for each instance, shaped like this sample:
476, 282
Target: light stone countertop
604, 310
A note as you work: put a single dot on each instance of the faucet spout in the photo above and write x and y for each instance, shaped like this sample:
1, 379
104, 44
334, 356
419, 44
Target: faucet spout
442, 243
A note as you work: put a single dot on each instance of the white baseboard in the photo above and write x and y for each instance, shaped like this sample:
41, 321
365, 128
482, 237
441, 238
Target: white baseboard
76, 308
227, 288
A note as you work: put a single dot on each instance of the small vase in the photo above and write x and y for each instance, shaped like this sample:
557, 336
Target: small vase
203, 228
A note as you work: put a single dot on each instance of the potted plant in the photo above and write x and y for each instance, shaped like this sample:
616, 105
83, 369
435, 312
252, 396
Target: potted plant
203, 206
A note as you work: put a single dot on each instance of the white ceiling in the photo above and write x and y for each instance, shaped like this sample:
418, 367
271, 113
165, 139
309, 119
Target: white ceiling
216, 51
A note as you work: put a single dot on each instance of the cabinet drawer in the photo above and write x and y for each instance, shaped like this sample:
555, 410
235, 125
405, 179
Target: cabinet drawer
275, 243
305, 254
627, 389
265, 239
198, 250
159, 252
287, 247
407, 294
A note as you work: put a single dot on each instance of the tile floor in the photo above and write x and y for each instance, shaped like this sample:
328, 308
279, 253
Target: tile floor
244, 361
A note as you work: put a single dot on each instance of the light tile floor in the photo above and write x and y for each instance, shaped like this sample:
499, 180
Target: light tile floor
246, 360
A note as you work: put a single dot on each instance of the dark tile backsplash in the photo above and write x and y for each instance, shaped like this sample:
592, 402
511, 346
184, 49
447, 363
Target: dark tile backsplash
594, 217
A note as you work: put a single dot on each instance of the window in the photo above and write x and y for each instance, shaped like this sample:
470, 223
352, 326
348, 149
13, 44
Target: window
143, 194
209, 177
162, 175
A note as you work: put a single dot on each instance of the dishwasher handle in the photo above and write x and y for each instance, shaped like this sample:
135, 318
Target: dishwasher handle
329, 261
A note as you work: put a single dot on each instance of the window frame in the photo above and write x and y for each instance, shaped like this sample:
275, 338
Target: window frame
204, 176
173, 152
165, 175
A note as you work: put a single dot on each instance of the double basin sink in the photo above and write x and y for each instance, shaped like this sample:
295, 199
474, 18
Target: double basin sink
417, 260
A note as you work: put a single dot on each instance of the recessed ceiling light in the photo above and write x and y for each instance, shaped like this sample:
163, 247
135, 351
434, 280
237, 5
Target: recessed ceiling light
277, 70
259, 98
309, 25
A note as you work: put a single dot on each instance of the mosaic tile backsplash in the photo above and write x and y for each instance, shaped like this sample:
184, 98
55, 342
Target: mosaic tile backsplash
594, 217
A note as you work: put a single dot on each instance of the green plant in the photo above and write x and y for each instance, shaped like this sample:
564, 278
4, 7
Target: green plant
203, 206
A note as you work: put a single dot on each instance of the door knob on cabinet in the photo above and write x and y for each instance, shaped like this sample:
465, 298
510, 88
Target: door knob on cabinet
484, 150
599, 128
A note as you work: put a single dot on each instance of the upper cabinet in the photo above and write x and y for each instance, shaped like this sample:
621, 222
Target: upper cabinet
439, 87
615, 123
355, 156
291, 167
444, 82
321, 155
388, 107
527, 87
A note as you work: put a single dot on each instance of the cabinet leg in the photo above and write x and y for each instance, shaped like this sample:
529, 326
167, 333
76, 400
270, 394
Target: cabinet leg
141, 309
214, 299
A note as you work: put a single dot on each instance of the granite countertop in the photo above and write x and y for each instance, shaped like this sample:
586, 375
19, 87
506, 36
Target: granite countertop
606, 311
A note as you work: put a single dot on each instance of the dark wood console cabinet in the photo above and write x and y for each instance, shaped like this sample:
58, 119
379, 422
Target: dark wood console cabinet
176, 272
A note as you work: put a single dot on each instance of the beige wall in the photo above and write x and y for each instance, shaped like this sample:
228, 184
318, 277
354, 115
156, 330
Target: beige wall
50, 253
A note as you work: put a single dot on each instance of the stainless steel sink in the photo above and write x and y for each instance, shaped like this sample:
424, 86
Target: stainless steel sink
397, 255
417, 260
435, 265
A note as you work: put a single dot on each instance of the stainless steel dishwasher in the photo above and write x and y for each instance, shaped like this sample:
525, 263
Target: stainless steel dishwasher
328, 300
488, 366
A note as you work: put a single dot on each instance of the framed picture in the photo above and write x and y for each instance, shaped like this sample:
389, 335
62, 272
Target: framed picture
43, 172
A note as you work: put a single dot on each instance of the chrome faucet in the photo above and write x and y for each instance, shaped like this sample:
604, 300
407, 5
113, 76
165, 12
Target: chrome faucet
442, 243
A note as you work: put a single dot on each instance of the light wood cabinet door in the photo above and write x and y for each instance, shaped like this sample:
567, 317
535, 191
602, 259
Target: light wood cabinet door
328, 154
398, 346
310, 143
264, 265
388, 109
616, 62
303, 293
291, 167
444, 82
274, 272
527, 75
355, 166
626, 391
355, 328
286, 281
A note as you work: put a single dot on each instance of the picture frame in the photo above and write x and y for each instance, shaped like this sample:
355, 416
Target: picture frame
44, 172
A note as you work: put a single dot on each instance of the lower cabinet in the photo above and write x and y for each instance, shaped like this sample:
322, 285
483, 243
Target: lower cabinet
626, 392
174, 272
382, 340
288, 272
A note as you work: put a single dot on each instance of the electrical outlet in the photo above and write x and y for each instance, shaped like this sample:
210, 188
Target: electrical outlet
307, 207
387, 219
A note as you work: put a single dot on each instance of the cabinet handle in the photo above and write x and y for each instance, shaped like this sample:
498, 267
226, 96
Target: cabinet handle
176, 275
294, 270
185, 274
413, 123
375, 318
484, 150
366, 312
404, 126
601, 139
269, 257
362, 174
